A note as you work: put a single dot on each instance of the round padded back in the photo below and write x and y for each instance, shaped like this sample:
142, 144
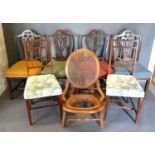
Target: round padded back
82, 68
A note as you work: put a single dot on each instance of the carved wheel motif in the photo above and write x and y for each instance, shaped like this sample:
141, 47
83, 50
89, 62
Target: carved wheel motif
128, 35
27, 35
127, 54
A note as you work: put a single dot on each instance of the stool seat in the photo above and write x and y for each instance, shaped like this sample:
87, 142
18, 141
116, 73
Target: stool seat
83, 104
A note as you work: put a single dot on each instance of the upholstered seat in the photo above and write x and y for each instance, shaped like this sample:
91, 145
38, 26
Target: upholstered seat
19, 69
42, 86
104, 66
123, 85
59, 69
140, 71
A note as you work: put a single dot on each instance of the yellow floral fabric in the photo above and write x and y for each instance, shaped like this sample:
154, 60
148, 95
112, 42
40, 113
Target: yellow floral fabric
123, 85
19, 69
42, 86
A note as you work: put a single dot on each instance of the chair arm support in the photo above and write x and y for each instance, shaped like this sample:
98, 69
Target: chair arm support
102, 95
64, 99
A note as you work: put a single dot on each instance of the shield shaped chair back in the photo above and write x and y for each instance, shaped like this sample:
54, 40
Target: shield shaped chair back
63, 44
97, 41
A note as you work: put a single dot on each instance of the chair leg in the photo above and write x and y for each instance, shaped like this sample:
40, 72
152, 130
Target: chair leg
64, 118
101, 116
106, 108
147, 86
28, 105
60, 106
139, 107
9, 87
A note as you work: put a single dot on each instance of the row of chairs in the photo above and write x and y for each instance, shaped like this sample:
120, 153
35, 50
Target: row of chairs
63, 43
82, 71
122, 59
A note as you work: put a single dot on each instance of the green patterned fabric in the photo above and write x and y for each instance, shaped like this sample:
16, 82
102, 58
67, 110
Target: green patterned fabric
123, 85
59, 69
42, 86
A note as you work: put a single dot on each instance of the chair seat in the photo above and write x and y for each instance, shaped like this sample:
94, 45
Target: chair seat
104, 66
140, 71
79, 104
59, 69
19, 69
123, 85
42, 86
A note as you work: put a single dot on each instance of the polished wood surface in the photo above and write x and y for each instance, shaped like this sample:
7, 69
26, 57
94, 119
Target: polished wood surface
128, 34
25, 35
82, 103
124, 51
38, 50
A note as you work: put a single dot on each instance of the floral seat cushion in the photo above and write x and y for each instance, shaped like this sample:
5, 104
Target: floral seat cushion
42, 86
19, 69
123, 85
59, 69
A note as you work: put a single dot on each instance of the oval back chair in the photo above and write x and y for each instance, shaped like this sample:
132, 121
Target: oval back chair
82, 71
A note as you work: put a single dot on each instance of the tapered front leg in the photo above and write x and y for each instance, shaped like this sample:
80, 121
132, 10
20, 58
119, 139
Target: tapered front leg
64, 119
101, 116
9, 87
139, 107
28, 106
106, 107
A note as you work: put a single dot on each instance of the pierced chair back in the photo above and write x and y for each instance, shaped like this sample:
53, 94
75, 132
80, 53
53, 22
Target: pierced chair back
96, 41
25, 35
124, 52
82, 68
130, 35
37, 55
63, 42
